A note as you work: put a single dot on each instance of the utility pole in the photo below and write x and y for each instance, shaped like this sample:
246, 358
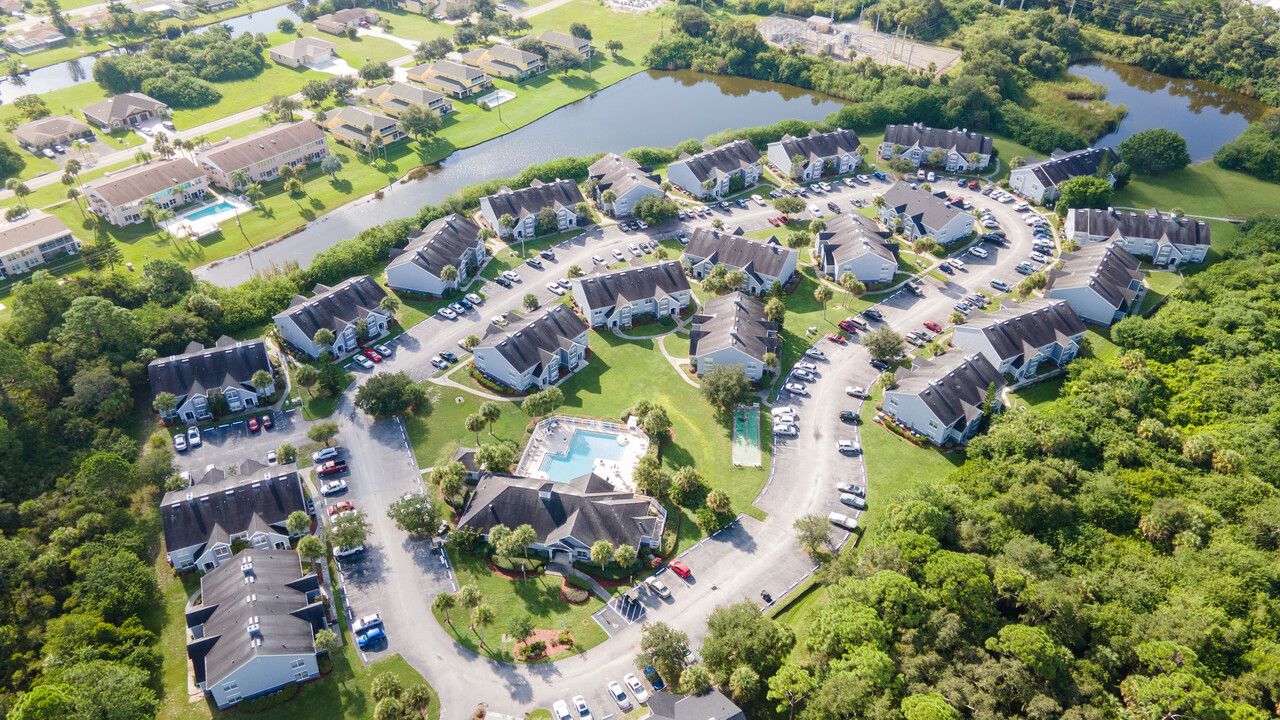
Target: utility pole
910, 52
1072, 10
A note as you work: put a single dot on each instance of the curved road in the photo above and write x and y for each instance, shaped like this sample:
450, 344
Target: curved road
399, 578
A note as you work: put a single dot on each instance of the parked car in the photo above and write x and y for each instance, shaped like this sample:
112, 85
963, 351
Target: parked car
871, 314
808, 366
344, 506
656, 585
633, 682
555, 288
180, 442
804, 375
1037, 257
362, 361
956, 263
977, 252
859, 322
836, 338
475, 300
815, 211
879, 364
447, 314
333, 487
534, 263
851, 489
944, 267
332, 467
774, 221
853, 501
879, 175
618, 255
370, 637
1025, 268
796, 388
679, 568
759, 200
253, 425
833, 207
848, 447
366, 622
561, 710
511, 275
815, 353
193, 437
786, 430
373, 355
328, 453
267, 421
843, 521
850, 416
448, 356
620, 696
342, 552
580, 707
856, 391
439, 362
548, 254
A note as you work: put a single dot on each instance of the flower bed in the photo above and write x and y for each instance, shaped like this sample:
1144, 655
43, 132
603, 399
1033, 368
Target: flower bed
573, 592
492, 385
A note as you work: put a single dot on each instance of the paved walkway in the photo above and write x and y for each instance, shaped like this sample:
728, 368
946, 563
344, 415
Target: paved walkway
558, 568
547, 7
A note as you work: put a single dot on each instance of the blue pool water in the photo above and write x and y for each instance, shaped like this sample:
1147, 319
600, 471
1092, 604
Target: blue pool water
211, 210
584, 449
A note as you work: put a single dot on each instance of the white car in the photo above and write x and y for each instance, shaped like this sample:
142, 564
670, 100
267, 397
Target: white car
931, 177
367, 622
633, 682
850, 488
1022, 206
561, 710
1037, 257
990, 224
787, 430
658, 587
180, 442
363, 361
815, 353
957, 263
856, 391
447, 314
474, 298
555, 288
843, 521
815, 211
796, 389
193, 437
271, 457
977, 252
341, 552
853, 501
580, 705
848, 447
759, 200
511, 275
634, 249
620, 696
597, 259
864, 178
617, 254
333, 486
806, 366
643, 225
328, 453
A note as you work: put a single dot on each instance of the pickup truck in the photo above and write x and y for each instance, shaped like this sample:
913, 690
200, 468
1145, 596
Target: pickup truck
333, 467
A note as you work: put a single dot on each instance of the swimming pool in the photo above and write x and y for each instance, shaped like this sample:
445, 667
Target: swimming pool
585, 448
221, 207
497, 97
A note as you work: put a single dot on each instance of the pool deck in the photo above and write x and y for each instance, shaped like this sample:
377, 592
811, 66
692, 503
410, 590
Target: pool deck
554, 435
184, 226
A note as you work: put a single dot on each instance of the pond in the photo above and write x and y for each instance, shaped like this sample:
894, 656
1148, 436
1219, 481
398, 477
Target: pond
658, 109
1207, 115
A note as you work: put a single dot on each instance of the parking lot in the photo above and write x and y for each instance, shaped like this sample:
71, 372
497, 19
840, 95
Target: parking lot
230, 444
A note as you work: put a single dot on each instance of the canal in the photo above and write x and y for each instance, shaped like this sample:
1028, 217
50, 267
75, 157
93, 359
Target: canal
657, 109
1207, 115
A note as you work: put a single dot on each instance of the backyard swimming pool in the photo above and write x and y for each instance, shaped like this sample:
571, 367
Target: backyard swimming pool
585, 448
205, 212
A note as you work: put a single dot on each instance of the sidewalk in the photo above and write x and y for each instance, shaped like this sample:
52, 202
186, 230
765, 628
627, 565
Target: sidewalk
558, 568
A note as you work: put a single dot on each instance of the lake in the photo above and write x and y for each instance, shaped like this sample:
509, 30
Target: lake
651, 108
1207, 115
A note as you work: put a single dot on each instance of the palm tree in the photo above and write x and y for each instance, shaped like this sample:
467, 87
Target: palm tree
390, 303
490, 412
822, 294
445, 602
474, 423
261, 380
449, 274
20, 190
482, 616
852, 287
878, 201
74, 194
160, 216
239, 178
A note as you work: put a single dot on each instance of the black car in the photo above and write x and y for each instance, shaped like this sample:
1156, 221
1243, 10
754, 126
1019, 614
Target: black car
464, 303
872, 314
449, 356
947, 269
879, 365
850, 416
915, 291
534, 263
548, 254
502, 281
833, 208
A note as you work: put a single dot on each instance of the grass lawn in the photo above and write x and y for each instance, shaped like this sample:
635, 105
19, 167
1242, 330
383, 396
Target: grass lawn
662, 325
677, 345
1041, 395
1100, 345
539, 597
1204, 189
315, 407
432, 431
799, 617
1161, 284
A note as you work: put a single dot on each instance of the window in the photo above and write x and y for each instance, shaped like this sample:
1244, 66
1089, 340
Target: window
228, 687
302, 675
297, 664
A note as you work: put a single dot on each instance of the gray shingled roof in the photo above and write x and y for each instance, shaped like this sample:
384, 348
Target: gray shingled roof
228, 363
353, 120
221, 505
528, 201
737, 321
440, 243
335, 308
728, 158
631, 284
1018, 329
961, 140
712, 705
752, 256
1106, 268
121, 106
286, 621
1061, 167
927, 211
852, 235
587, 508
530, 341
131, 185
1149, 225
263, 146
952, 385
818, 145
620, 173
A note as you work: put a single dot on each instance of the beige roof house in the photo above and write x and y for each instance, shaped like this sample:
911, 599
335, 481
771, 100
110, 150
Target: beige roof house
38, 38
505, 62
303, 51
393, 99
124, 109
33, 240
51, 131
336, 23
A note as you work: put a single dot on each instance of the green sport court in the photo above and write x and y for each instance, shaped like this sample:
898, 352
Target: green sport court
746, 436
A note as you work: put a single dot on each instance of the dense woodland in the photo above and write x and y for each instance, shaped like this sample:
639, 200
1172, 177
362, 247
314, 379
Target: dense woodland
181, 72
1110, 555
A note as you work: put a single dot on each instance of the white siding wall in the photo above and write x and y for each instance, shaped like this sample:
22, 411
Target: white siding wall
262, 674
753, 368
1087, 304
910, 411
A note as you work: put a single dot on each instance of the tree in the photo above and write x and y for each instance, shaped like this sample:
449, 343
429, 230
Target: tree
575, 271
546, 222
385, 685
1154, 151
165, 403
775, 310
937, 157
923, 245
490, 411
482, 616
883, 343
298, 522
1084, 191
323, 432
928, 706
744, 685
310, 548
316, 91
663, 647
94, 326
739, 634
390, 303
957, 317
521, 628
474, 423
562, 60
387, 395
331, 165
261, 380
580, 30
625, 556
524, 536
791, 685
294, 186
496, 457
823, 294
853, 288
613, 46
718, 501
655, 210
323, 338
445, 602
530, 301
471, 341
788, 205
695, 680
415, 514
45, 702
724, 386
601, 552
306, 377
349, 529
450, 478
375, 70
813, 532
342, 85
420, 122
327, 640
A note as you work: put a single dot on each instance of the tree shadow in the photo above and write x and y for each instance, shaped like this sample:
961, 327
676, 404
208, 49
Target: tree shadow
342, 185
620, 60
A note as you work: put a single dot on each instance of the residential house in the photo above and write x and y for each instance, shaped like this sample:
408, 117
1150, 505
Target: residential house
262, 154
711, 705
729, 167
533, 351
1170, 240
218, 5
252, 505
166, 8
1101, 281
452, 240
942, 398
1038, 180
348, 127
125, 109
467, 456
451, 78
1017, 338
395, 98
304, 51
616, 299
628, 181
40, 37
336, 23
253, 631
567, 517
226, 368
340, 309
854, 244
120, 197
563, 41
763, 263
13, 8
506, 62
421, 7
90, 23
50, 131
732, 330
916, 142
832, 153
923, 214
561, 197
33, 240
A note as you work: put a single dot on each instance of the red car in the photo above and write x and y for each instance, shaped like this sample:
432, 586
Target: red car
267, 422
973, 184
933, 326
784, 219
343, 506
836, 338
847, 326
372, 355
680, 569
773, 221
253, 424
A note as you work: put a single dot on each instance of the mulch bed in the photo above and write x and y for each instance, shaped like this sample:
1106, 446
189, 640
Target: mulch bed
550, 638
564, 583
